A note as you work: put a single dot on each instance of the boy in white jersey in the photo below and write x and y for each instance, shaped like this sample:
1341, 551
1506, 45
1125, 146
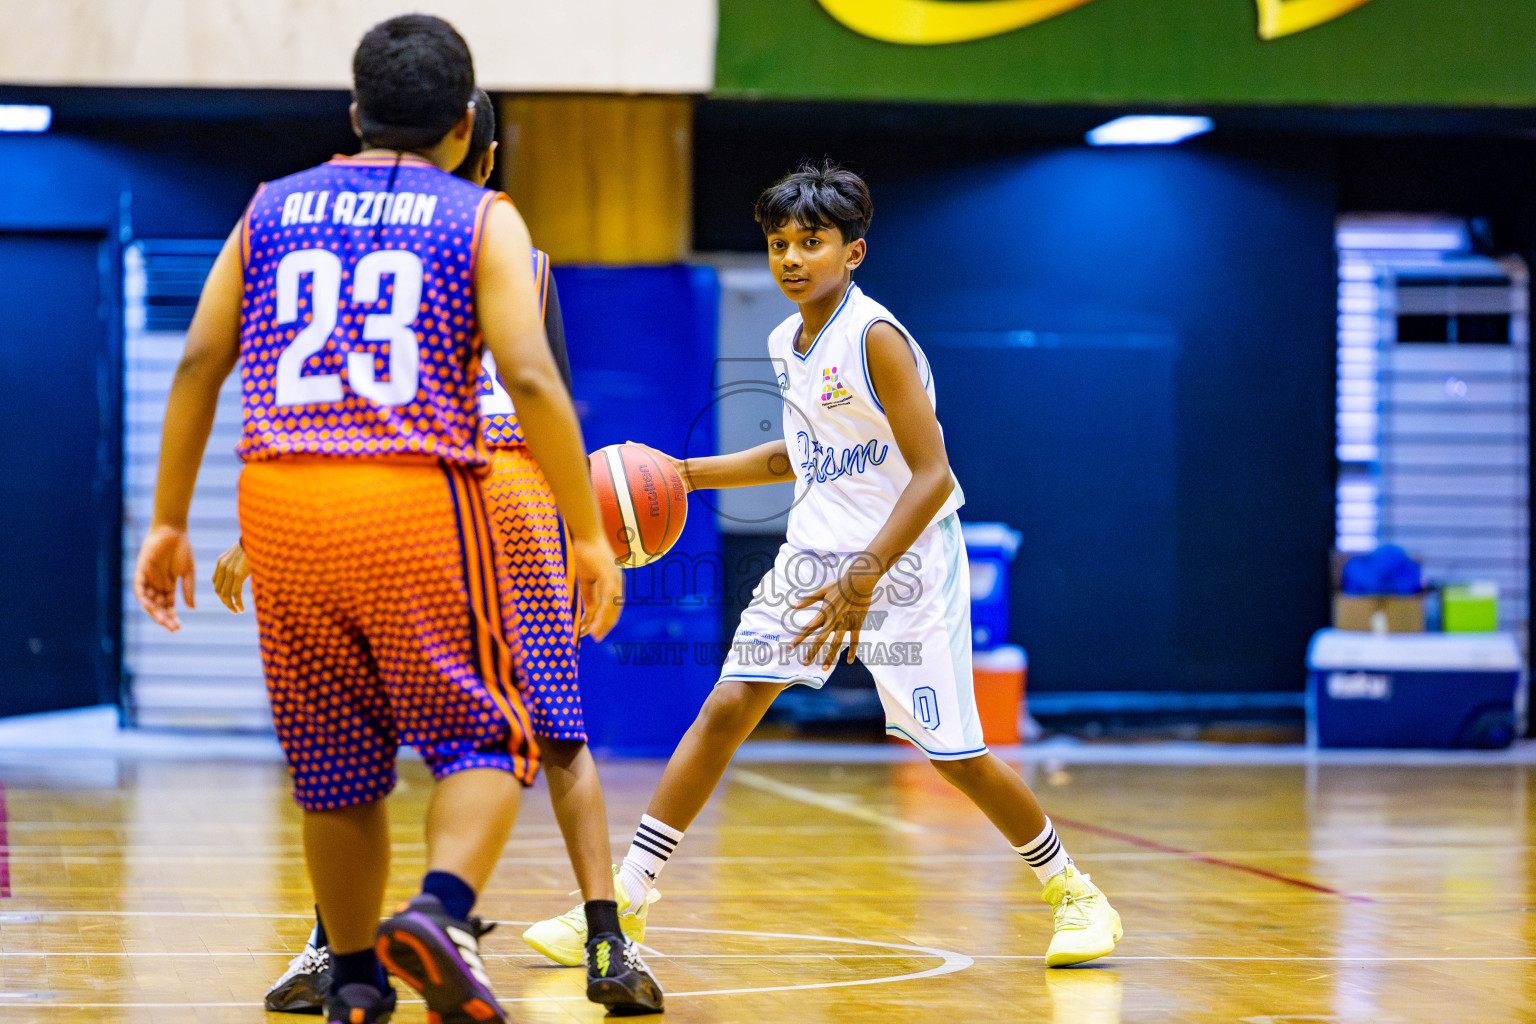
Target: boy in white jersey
874, 527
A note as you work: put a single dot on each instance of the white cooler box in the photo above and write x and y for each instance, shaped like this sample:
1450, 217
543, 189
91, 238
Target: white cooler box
1445, 690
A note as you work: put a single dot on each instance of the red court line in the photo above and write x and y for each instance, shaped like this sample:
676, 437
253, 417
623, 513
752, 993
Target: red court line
5, 850
1152, 844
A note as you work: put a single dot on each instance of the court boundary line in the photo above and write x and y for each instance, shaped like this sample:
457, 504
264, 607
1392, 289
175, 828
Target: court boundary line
1108, 961
39, 854
952, 962
841, 805
826, 801
1220, 862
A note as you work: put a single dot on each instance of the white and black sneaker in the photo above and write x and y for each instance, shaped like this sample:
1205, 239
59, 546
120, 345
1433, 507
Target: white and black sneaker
439, 956
304, 985
618, 979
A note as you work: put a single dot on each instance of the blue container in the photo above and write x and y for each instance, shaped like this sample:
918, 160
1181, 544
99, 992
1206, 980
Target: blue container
1438, 690
990, 548
1387, 570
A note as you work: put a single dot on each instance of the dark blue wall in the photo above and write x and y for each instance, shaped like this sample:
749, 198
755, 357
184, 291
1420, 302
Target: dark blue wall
1135, 364
58, 180
112, 170
184, 178
95, 188
60, 480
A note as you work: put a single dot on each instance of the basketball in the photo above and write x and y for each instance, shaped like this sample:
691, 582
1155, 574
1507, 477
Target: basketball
642, 500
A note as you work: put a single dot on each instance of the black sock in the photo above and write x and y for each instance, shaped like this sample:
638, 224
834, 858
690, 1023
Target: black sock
456, 895
602, 918
319, 935
360, 968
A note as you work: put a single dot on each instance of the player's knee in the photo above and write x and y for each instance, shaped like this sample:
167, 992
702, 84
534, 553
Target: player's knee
958, 773
731, 707
559, 754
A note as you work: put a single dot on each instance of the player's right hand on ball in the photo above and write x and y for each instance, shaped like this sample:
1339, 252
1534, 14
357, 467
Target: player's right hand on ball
681, 465
229, 575
164, 558
600, 582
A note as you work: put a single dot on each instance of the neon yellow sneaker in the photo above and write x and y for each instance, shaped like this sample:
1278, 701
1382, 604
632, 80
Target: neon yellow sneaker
1087, 927
564, 939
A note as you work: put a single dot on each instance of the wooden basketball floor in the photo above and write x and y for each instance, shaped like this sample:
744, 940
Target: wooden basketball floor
172, 890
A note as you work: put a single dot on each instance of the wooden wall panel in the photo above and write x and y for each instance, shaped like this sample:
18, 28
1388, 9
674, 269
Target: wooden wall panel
602, 179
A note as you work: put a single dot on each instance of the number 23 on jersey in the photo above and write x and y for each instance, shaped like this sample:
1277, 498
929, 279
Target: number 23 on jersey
391, 327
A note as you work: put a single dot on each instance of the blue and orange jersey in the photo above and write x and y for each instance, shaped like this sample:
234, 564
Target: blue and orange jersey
357, 327
501, 427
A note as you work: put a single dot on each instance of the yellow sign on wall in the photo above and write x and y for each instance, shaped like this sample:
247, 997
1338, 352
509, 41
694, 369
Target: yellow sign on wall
936, 22
1131, 52
1284, 17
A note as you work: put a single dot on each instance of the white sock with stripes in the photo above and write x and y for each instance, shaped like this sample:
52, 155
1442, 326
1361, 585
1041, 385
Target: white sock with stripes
654, 842
1044, 854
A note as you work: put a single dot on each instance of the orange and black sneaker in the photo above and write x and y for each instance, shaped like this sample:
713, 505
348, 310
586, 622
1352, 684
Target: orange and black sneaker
618, 979
439, 956
359, 1004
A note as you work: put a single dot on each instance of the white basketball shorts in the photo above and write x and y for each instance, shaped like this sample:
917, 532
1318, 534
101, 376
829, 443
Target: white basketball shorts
916, 639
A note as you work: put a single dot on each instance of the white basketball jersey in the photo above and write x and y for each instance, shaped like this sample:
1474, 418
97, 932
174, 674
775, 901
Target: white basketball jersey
848, 471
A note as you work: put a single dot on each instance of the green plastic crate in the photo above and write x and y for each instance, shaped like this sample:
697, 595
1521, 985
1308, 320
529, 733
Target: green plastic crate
1473, 608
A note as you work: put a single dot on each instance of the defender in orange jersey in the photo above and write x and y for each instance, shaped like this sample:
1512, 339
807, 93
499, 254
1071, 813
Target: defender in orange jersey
355, 296
533, 542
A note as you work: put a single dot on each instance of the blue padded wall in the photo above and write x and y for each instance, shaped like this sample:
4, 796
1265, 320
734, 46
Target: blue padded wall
642, 345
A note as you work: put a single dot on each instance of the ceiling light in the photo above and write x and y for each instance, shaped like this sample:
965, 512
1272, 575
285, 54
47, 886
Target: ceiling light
16, 117
1149, 130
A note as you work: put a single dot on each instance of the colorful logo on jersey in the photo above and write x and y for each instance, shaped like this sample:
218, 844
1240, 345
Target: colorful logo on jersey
833, 393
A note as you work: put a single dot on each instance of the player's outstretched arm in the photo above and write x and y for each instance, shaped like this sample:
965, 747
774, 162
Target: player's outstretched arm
894, 376
213, 346
507, 309
768, 463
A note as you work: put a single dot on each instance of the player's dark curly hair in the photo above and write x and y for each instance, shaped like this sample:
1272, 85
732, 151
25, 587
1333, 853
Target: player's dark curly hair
412, 77
480, 139
820, 193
